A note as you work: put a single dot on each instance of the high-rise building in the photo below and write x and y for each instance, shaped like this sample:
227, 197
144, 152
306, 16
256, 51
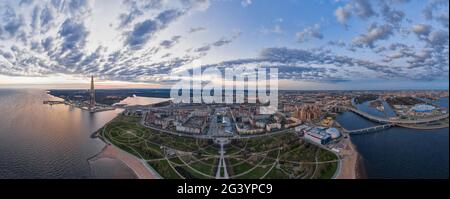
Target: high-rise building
307, 113
92, 91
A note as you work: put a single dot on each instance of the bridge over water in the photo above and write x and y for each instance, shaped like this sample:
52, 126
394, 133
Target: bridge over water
392, 120
385, 122
370, 129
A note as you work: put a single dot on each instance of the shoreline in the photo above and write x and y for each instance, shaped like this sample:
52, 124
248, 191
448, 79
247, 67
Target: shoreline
360, 172
140, 169
352, 164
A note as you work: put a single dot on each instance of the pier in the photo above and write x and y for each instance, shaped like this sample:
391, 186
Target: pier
370, 129
50, 102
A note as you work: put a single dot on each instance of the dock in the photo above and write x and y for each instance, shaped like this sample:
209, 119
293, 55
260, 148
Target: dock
50, 102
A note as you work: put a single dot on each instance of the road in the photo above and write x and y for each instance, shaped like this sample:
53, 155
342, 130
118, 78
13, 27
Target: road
222, 164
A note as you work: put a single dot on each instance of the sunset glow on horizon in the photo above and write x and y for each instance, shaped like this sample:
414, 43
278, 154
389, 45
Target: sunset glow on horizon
349, 44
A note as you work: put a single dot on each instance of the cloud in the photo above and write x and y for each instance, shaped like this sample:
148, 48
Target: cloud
438, 39
343, 14
127, 18
143, 31
54, 39
246, 3
168, 16
434, 39
137, 8
339, 43
421, 30
40, 38
443, 19
74, 35
315, 65
363, 8
276, 29
170, 43
391, 16
35, 17
46, 16
12, 23
309, 32
25, 2
166, 55
432, 6
13, 26
222, 42
196, 29
204, 48
374, 33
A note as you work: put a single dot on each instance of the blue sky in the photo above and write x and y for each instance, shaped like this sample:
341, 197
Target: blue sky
320, 44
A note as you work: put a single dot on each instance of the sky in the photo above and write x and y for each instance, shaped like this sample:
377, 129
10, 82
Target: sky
320, 44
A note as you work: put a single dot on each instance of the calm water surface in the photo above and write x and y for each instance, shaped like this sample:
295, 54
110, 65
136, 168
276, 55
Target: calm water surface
43, 141
400, 152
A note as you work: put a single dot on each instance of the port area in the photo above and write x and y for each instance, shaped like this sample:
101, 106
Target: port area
81, 105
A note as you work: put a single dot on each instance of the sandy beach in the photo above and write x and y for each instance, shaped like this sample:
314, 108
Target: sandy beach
140, 168
351, 162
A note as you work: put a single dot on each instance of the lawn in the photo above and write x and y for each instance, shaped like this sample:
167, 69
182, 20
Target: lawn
278, 156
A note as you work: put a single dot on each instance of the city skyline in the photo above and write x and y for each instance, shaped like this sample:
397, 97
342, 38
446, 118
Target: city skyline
349, 45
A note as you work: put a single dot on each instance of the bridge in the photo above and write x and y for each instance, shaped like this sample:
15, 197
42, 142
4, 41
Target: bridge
370, 129
391, 120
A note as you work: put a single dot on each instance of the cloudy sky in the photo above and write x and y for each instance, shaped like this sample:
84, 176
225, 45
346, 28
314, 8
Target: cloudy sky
320, 44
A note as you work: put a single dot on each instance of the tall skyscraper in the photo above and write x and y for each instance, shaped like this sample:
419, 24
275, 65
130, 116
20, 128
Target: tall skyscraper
92, 100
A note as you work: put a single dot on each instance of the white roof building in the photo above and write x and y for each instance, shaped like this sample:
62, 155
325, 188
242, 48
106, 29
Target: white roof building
333, 132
